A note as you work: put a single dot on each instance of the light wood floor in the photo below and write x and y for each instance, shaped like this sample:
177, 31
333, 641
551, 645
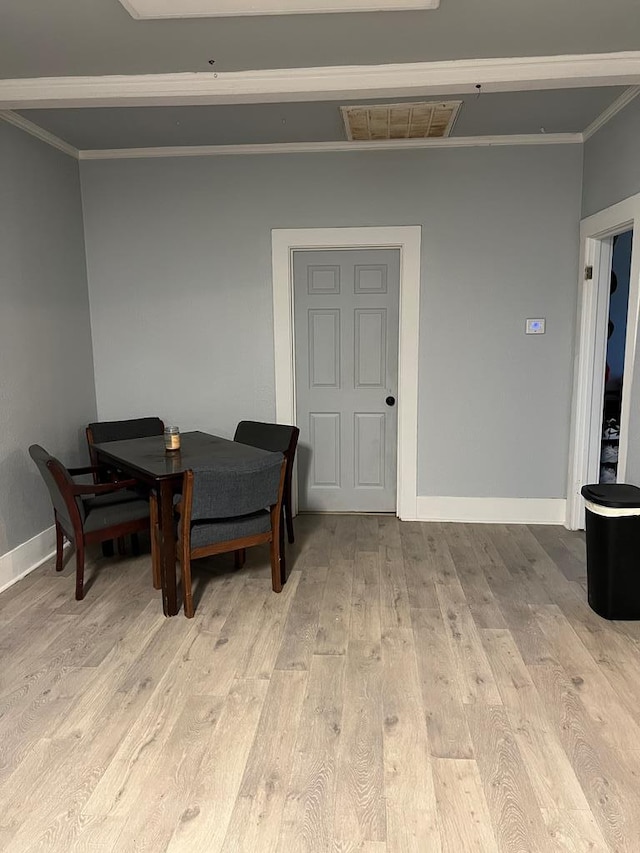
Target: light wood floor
416, 687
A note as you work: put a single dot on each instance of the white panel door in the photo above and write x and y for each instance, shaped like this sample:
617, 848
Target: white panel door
346, 350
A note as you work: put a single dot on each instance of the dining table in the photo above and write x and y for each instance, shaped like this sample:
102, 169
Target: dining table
147, 461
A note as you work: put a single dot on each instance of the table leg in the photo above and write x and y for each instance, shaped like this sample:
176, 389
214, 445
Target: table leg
167, 548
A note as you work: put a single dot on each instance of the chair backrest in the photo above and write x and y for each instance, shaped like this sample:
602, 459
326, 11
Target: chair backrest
69, 509
228, 493
103, 431
280, 437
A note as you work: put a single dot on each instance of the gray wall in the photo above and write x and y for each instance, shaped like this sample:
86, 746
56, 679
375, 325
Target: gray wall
611, 161
179, 262
46, 366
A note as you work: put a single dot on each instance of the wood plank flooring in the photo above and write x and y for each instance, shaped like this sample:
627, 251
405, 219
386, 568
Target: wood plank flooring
416, 688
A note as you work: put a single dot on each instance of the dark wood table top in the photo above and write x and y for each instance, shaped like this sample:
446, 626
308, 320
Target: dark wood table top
148, 457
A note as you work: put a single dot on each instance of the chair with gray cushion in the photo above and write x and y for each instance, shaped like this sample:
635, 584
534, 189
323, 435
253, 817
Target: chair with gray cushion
231, 510
88, 514
103, 431
276, 437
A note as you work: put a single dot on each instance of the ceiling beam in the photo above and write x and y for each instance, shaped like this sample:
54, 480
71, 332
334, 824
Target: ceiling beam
316, 84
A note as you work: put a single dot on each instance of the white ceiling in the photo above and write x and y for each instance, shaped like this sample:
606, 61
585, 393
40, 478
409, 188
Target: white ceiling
550, 111
42, 38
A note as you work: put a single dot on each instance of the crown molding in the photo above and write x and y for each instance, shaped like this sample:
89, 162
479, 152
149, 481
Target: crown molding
612, 110
39, 133
332, 147
313, 84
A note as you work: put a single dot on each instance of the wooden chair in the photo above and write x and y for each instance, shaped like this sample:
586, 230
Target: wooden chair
275, 437
88, 514
101, 432
227, 511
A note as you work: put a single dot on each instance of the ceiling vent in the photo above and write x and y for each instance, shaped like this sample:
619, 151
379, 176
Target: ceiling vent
149, 9
420, 120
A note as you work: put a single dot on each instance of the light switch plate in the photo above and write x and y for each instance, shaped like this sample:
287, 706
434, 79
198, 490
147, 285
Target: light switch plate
535, 327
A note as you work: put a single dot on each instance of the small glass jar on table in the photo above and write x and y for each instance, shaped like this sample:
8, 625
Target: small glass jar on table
171, 439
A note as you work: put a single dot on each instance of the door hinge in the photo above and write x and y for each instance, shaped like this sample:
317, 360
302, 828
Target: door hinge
588, 273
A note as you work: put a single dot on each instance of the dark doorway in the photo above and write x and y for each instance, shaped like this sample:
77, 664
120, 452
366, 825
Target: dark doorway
614, 372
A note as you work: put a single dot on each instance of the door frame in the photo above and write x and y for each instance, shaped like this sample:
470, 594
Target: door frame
406, 238
596, 233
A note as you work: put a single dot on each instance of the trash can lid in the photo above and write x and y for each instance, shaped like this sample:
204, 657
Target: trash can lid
617, 495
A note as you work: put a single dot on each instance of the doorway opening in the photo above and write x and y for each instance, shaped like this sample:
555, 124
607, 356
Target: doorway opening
615, 356
606, 346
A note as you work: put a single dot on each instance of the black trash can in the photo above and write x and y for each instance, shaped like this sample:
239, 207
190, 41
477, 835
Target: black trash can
613, 549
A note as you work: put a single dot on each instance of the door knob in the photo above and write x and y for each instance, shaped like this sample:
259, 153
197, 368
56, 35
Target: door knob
390, 401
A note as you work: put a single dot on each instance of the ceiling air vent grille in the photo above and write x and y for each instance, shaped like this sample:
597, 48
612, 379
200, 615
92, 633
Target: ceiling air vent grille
420, 120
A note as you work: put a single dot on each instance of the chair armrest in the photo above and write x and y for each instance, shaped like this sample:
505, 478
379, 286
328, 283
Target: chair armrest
103, 488
86, 469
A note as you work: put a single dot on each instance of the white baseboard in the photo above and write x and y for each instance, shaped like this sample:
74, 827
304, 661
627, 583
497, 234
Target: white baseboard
27, 557
493, 510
